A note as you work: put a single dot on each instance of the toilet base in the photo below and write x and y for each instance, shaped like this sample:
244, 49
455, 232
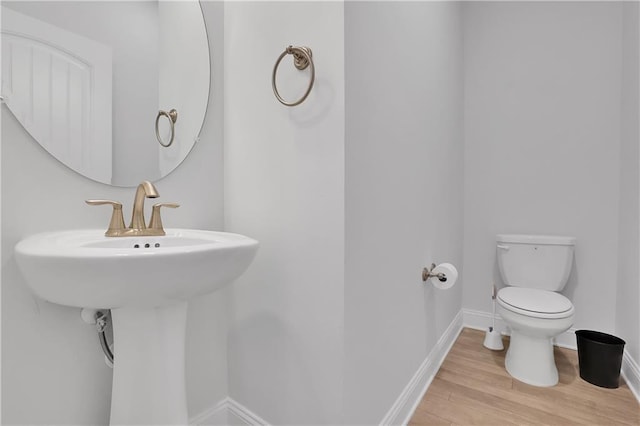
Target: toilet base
530, 360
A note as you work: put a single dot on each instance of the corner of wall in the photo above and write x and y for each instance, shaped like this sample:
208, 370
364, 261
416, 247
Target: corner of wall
227, 412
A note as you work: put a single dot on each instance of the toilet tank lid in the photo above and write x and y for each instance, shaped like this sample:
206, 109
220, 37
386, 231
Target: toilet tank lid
536, 239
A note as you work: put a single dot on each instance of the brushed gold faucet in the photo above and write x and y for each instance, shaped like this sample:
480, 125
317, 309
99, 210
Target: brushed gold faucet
145, 190
138, 226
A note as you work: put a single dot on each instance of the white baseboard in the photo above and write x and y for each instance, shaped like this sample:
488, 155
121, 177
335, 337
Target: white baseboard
227, 412
480, 320
567, 339
404, 406
241, 415
631, 374
214, 415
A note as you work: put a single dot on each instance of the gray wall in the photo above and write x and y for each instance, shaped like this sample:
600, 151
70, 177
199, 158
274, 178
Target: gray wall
628, 303
52, 366
403, 192
542, 141
346, 223
284, 186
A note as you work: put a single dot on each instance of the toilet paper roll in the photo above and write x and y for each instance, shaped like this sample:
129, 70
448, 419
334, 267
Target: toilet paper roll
451, 275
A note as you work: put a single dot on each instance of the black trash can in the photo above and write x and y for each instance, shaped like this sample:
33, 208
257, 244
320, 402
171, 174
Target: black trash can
600, 358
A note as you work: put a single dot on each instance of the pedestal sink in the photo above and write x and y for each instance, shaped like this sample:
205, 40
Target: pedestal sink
146, 282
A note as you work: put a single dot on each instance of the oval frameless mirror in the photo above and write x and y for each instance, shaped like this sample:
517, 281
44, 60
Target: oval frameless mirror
95, 82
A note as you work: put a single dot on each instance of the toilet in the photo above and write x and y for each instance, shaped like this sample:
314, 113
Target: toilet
534, 268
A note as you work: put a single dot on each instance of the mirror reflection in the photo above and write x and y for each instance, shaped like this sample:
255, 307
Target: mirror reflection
94, 82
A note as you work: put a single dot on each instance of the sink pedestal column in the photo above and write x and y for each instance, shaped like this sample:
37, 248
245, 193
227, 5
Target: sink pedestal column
149, 367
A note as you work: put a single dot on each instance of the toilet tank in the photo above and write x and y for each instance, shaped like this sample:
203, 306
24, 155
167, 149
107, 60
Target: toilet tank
535, 261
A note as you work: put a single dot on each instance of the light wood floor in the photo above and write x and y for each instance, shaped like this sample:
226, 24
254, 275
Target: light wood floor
473, 388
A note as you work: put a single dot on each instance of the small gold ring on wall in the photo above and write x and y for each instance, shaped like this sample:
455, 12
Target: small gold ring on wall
302, 58
173, 117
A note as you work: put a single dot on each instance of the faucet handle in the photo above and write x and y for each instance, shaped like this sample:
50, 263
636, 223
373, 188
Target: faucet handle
156, 221
116, 225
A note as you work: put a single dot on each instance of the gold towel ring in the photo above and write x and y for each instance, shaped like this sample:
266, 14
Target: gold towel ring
302, 58
173, 117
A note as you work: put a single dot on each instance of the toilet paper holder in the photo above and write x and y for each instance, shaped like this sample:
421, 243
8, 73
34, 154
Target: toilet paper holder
426, 274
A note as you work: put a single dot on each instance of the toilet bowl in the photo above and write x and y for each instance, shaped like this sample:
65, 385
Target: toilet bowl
534, 268
533, 326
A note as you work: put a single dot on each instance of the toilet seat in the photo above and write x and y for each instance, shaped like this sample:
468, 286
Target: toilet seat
535, 303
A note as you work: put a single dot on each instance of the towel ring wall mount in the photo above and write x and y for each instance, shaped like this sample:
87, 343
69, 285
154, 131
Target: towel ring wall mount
302, 58
172, 116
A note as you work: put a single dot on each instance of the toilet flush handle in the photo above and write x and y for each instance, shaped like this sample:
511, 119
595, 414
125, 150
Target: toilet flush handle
503, 247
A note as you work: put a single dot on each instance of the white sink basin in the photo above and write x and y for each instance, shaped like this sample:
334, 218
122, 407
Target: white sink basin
146, 282
84, 268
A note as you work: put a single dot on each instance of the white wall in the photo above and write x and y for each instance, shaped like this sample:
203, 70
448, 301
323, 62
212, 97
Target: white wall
542, 141
284, 186
404, 181
628, 297
52, 365
200, 178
